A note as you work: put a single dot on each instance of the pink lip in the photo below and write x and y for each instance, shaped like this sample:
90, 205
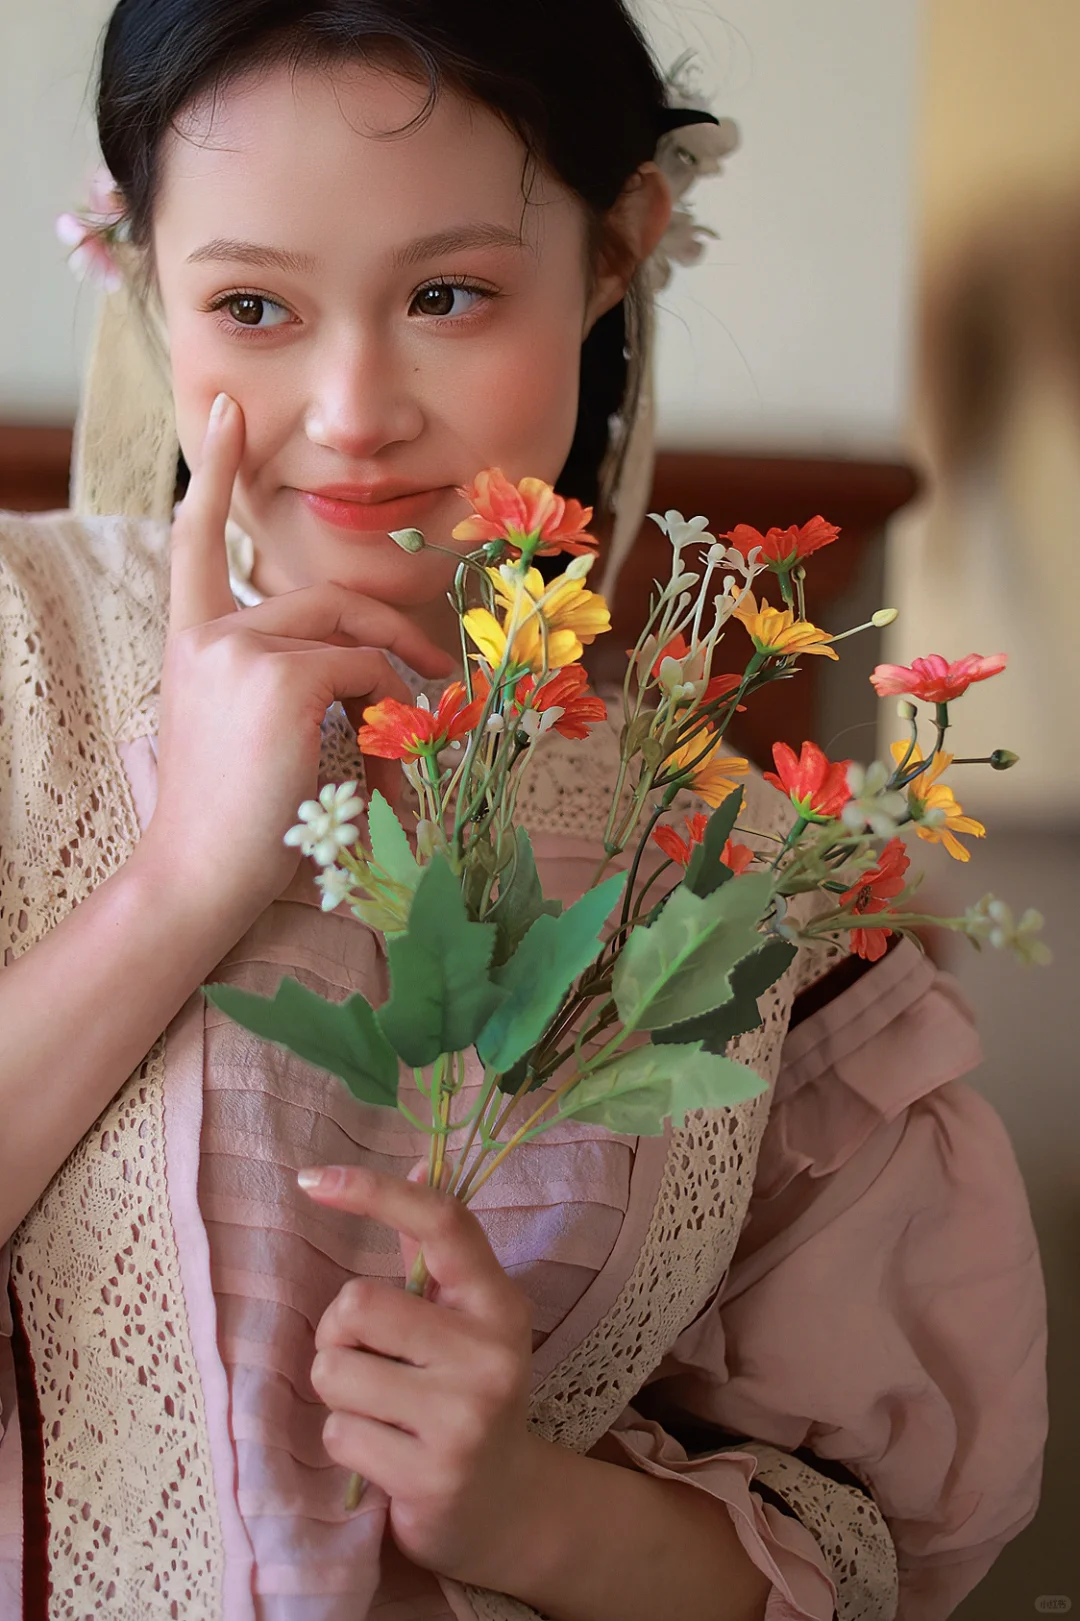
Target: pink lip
356, 506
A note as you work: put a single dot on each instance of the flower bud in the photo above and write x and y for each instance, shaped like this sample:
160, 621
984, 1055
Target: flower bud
578, 567
1003, 760
905, 710
883, 617
410, 540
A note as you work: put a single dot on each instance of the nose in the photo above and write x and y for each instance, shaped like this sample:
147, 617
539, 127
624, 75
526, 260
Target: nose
362, 399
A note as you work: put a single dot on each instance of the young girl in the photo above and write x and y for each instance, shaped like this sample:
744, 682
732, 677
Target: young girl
785, 1361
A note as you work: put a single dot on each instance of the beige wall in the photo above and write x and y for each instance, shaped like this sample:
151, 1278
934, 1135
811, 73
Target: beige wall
793, 334
993, 563
988, 563
46, 54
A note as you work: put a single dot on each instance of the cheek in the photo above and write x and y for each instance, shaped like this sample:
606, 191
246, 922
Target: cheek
203, 367
519, 406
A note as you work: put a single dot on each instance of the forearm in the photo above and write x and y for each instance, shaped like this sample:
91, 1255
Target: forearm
606, 1542
79, 1009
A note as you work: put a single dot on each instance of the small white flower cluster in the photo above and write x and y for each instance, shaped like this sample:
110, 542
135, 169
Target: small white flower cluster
869, 806
992, 920
325, 827
683, 156
535, 722
679, 530
336, 885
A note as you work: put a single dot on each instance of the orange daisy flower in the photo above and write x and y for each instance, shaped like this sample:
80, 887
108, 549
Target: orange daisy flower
781, 549
873, 893
565, 690
397, 731
736, 856
524, 513
817, 786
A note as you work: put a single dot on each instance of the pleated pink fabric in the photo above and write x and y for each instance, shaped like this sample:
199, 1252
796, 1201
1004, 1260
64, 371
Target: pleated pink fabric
561, 1209
885, 1304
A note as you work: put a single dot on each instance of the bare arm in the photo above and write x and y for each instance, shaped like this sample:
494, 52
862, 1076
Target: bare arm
80, 1009
609, 1543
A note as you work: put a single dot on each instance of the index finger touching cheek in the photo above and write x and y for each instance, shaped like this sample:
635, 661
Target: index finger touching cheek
199, 589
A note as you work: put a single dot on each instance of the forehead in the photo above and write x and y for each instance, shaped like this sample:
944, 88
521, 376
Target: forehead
339, 152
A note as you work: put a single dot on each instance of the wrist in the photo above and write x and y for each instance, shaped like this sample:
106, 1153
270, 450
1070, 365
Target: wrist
211, 917
535, 1527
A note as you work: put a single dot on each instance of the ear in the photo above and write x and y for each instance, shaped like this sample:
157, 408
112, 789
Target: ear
636, 223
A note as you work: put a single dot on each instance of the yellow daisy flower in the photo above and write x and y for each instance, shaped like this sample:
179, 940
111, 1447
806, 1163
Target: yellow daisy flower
926, 793
777, 631
712, 776
572, 614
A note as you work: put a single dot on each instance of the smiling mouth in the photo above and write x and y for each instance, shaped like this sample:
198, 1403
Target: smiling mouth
358, 511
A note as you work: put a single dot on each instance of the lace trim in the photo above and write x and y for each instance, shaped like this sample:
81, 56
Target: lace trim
849, 1529
133, 1527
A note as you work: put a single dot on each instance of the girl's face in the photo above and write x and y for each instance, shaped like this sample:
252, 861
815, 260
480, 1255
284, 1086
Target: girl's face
392, 314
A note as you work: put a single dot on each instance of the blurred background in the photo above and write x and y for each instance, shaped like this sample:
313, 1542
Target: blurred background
888, 332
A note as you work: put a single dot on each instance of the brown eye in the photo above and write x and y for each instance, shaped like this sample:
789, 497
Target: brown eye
441, 298
436, 300
247, 309
254, 311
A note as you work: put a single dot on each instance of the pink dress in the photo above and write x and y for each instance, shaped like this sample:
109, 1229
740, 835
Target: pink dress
884, 1309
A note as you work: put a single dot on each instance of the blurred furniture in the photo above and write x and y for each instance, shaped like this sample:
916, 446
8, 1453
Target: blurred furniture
34, 465
860, 496
764, 491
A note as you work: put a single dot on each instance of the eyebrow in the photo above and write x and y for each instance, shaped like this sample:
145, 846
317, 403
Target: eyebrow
482, 234
228, 250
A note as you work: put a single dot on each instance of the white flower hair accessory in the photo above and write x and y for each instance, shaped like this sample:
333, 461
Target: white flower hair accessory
93, 233
690, 147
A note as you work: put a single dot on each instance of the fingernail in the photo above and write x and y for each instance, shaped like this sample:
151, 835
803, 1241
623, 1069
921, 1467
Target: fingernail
218, 409
325, 1178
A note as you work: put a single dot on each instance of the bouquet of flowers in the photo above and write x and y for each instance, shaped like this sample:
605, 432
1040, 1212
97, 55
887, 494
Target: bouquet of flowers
618, 1009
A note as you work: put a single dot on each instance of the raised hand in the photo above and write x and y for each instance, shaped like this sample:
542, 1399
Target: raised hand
429, 1397
244, 692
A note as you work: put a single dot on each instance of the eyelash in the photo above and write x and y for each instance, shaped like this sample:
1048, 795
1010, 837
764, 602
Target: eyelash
238, 329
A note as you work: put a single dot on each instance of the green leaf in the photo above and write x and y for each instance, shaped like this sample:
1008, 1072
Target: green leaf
536, 978
390, 845
680, 966
521, 900
706, 870
637, 1091
514, 1076
750, 979
441, 995
342, 1037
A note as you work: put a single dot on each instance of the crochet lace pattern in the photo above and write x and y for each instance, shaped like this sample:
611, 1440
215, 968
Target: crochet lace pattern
95, 1262
134, 1527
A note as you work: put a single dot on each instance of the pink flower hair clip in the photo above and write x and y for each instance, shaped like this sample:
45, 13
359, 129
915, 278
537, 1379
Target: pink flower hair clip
93, 234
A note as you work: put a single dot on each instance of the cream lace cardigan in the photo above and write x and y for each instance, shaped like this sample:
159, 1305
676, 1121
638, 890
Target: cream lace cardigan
95, 1264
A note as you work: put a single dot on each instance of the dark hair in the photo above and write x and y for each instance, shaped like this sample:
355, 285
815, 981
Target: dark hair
573, 78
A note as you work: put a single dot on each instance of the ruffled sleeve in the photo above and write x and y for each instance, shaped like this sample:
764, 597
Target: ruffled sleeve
875, 1359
